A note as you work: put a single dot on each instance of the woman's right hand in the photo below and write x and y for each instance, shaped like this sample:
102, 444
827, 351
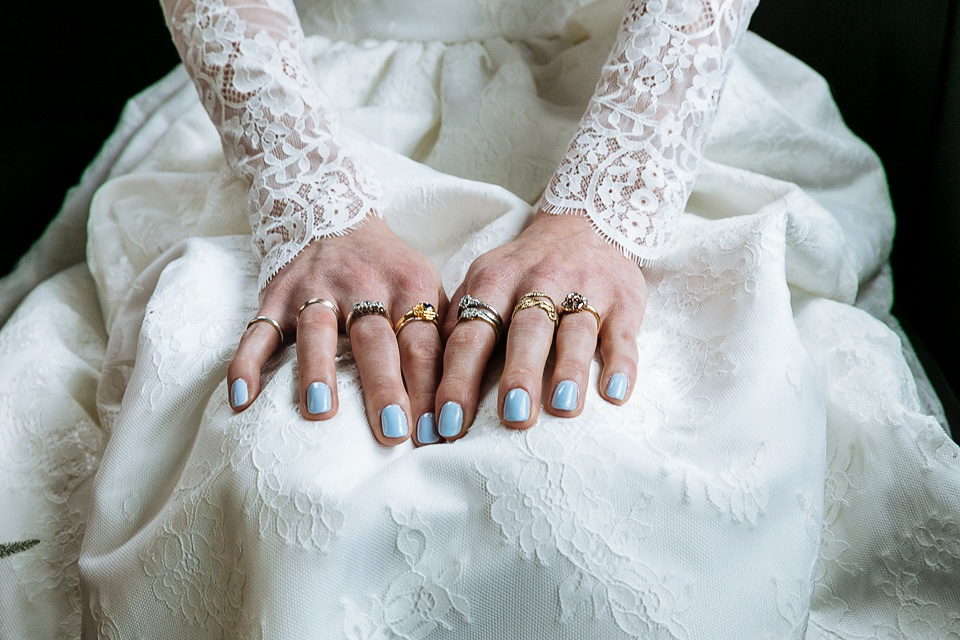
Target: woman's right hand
369, 263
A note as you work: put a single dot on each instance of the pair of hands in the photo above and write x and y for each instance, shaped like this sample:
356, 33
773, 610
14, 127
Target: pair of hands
426, 384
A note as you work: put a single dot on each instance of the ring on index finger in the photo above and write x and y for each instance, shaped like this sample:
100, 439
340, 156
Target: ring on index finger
422, 311
472, 309
367, 308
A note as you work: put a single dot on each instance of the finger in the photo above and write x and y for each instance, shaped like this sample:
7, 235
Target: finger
618, 349
528, 345
378, 361
317, 330
468, 348
576, 346
421, 359
257, 345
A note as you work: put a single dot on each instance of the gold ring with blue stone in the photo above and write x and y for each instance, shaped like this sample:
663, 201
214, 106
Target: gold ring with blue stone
422, 311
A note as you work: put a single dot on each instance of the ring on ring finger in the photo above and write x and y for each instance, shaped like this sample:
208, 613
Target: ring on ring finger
575, 303
329, 304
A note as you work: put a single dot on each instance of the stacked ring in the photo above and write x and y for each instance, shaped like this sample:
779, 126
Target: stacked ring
539, 300
270, 321
329, 304
575, 303
366, 308
422, 311
472, 309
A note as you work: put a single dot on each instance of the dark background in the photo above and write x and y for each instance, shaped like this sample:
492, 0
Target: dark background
893, 66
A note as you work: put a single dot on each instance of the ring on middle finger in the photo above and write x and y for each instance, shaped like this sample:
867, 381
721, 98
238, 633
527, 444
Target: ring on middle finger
367, 308
538, 300
422, 311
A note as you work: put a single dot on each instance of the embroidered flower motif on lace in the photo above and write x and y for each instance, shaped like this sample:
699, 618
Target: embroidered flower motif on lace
277, 127
417, 601
193, 567
548, 488
632, 162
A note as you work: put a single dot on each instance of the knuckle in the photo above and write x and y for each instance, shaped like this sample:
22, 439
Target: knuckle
469, 339
422, 350
315, 319
369, 331
522, 372
484, 272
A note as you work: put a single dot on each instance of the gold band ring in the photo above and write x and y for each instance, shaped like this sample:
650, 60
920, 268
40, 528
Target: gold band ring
270, 321
575, 303
472, 309
329, 304
421, 311
366, 308
539, 300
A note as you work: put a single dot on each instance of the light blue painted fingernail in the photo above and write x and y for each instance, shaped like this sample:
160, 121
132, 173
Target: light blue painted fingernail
451, 419
427, 429
239, 393
516, 406
617, 386
393, 421
318, 398
565, 396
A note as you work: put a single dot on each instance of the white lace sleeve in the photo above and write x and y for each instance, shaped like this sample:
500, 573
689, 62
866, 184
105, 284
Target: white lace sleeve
277, 127
632, 162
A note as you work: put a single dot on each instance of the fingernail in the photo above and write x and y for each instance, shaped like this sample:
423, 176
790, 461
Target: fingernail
565, 396
393, 422
516, 406
239, 394
318, 398
451, 419
617, 386
427, 429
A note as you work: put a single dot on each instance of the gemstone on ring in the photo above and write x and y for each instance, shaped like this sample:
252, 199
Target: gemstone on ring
574, 302
425, 311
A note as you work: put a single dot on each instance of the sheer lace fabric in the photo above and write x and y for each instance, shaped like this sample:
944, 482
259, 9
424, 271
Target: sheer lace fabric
278, 129
632, 163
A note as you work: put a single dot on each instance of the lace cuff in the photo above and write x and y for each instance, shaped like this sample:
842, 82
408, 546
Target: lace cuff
632, 163
277, 127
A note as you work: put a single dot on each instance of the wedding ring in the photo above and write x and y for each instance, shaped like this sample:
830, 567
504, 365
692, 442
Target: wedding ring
270, 321
421, 311
575, 303
472, 309
366, 308
539, 300
329, 304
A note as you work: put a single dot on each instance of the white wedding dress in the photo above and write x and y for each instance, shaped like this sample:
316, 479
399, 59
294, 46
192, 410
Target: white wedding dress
781, 471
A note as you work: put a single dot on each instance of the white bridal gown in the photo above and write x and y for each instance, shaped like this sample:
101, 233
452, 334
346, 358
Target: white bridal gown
781, 471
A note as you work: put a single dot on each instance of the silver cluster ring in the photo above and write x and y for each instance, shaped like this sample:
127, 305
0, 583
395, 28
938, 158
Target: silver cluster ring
472, 309
367, 308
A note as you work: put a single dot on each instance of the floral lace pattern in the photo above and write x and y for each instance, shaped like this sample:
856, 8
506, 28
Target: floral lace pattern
550, 499
416, 602
631, 164
277, 127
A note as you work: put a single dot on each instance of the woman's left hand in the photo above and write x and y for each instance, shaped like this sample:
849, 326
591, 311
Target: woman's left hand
556, 255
